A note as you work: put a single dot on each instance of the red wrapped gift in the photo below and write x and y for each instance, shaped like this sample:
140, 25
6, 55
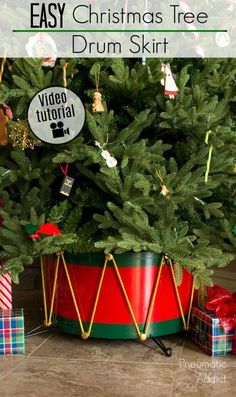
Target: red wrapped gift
223, 304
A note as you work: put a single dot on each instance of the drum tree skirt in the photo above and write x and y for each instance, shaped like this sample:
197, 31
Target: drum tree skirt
132, 295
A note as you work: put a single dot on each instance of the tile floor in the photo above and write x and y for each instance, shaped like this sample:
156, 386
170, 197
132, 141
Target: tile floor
63, 365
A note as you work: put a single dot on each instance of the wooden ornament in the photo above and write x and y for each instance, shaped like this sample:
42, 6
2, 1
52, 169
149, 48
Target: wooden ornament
97, 106
3, 129
164, 191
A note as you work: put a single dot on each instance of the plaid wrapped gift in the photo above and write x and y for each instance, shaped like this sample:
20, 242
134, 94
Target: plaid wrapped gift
12, 340
207, 333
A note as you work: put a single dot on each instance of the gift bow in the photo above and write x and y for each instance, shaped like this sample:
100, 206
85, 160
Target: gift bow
223, 304
48, 229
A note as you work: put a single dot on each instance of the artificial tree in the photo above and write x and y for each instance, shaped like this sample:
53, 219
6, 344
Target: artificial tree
173, 188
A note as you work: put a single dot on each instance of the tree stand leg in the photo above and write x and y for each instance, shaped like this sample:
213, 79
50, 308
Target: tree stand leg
166, 350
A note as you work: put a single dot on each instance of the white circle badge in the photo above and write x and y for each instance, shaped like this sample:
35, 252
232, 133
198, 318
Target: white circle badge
56, 115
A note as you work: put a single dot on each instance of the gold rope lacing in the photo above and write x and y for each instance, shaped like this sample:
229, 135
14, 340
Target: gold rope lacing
108, 258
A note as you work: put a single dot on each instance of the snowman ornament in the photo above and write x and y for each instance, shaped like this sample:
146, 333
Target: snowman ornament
171, 89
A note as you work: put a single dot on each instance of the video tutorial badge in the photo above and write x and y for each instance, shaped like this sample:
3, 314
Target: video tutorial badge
56, 115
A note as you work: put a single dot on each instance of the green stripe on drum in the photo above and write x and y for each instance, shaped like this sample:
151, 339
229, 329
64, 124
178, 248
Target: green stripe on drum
119, 331
129, 259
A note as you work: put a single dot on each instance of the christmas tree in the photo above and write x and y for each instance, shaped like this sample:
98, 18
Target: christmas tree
152, 173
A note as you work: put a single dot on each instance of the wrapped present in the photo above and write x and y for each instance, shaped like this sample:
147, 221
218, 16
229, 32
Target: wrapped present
223, 304
12, 340
5, 279
5, 291
208, 333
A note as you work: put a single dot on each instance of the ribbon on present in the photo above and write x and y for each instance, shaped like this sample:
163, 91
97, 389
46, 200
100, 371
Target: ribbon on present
223, 304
